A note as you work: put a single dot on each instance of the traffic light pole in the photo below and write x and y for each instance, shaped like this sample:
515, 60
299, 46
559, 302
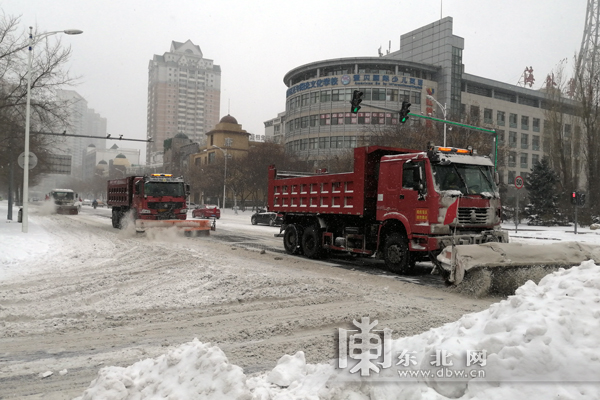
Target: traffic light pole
445, 121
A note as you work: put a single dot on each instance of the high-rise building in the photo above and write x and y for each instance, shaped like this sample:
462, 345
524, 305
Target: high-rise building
184, 96
81, 121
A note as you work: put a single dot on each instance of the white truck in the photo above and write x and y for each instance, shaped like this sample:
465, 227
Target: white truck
65, 201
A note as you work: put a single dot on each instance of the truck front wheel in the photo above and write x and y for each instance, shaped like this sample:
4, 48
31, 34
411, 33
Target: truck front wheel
396, 253
291, 239
311, 243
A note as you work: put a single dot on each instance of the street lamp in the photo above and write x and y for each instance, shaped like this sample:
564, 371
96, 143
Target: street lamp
225, 174
25, 194
444, 111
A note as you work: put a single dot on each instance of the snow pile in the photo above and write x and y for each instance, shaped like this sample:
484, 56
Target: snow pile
541, 343
191, 371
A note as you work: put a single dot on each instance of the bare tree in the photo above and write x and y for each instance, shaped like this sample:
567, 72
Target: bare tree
48, 73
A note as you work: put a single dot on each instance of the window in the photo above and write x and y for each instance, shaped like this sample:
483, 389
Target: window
325, 119
337, 119
391, 95
377, 118
524, 157
325, 96
324, 143
304, 122
312, 143
512, 159
524, 140
535, 158
313, 120
535, 142
378, 95
474, 113
512, 120
511, 177
314, 97
536, 125
416, 97
524, 122
304, 100
348, 118
337, 95
487, 116
512, 139
410, 175
500, 136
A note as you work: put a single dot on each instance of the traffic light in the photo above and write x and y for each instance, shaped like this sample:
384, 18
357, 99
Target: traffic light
578, 199
356, 100
404, 111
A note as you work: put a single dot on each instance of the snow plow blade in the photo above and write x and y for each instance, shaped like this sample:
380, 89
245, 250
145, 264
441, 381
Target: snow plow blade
198, 227
502, 267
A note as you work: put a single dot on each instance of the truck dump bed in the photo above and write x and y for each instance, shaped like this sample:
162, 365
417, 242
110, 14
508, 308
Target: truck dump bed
349, 193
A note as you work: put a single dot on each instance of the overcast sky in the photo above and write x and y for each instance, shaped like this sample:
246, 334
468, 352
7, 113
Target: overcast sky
257, 42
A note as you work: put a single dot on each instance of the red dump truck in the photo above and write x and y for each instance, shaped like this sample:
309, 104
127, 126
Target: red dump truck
152, 201
392, 205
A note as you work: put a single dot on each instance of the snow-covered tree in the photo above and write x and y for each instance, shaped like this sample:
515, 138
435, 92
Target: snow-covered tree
544, 193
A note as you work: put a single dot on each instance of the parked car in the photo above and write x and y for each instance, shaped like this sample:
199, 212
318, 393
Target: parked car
101, 203
206, 211
192, 206
266, 217
86, 202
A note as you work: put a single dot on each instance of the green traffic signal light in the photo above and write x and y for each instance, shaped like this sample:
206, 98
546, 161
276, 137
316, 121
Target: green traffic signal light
404, 111
356, 100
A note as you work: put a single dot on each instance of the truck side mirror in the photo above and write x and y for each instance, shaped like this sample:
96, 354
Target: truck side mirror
187, 189
496, 178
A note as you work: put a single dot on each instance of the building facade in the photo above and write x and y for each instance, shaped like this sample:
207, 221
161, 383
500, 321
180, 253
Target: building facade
82, 121
184, 96
318, 120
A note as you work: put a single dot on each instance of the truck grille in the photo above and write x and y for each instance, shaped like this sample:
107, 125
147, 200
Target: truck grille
165, 205
473, 216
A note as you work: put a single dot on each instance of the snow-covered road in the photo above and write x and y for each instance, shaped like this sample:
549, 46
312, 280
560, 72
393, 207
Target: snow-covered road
76, 295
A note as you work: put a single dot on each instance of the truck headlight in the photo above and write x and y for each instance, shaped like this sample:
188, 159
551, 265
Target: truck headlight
183, 210
145, 212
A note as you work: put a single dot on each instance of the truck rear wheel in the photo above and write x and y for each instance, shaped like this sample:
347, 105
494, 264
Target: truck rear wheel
291, 239
396, 253
116, 218
311, 243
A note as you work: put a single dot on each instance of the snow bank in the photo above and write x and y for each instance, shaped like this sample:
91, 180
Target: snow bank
193, 370
17, 247
541, 343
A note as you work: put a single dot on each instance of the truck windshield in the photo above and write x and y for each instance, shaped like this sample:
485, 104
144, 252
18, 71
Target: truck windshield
469, 179
164, 189
63, 195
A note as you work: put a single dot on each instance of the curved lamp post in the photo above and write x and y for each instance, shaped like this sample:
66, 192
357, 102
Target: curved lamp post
25, 194
443, 108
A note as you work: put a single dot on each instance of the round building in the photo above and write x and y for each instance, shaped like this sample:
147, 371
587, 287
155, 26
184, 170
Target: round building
317, 111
